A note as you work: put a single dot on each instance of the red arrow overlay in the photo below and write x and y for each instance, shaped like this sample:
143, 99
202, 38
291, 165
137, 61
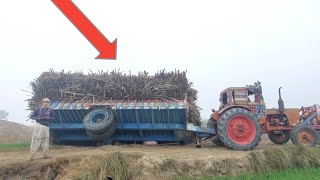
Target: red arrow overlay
86, 27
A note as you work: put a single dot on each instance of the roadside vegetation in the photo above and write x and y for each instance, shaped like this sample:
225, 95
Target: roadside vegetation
275, 163
289, 174
14, 146
286, 163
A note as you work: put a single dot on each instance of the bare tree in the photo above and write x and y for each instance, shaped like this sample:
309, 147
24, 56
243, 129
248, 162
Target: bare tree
3, 115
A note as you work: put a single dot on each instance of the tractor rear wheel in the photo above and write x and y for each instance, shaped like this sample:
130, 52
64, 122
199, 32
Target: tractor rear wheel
304, 136
239, 129
281, 138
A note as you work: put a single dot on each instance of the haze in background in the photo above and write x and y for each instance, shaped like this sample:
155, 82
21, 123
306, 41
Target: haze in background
220, 43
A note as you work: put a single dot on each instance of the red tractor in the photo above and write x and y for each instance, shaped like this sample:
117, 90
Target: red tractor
243, 117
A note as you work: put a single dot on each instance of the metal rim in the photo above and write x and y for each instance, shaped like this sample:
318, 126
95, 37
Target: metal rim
99, 117
306, 137
241, 130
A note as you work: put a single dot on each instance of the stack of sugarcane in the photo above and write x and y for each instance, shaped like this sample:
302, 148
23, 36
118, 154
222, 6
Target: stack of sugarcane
115, 85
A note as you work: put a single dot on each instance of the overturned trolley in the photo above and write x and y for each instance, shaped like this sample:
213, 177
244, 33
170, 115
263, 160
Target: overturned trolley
90, 123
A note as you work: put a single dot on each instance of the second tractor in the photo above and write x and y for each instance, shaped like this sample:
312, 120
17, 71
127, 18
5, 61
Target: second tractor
242, 118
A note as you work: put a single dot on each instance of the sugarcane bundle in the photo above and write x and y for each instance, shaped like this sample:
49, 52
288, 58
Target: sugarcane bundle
115, 85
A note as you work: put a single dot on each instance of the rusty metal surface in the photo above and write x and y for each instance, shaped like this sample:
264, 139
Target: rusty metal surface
291, 113
239, 96
215, 116
280, 128
306, 137
309, 112
318, 112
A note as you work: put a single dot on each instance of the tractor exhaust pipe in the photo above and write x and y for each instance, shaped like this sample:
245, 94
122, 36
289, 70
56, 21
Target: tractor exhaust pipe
280, 102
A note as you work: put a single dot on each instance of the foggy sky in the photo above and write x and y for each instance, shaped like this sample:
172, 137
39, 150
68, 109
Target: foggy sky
220, 43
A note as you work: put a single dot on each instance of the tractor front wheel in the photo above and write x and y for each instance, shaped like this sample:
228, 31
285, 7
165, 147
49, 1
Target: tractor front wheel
238, 129
304, 136
281, 138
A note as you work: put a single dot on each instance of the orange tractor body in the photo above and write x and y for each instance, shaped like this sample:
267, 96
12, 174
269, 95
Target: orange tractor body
242, 118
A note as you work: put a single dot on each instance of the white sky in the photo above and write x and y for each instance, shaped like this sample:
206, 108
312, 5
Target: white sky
220, 43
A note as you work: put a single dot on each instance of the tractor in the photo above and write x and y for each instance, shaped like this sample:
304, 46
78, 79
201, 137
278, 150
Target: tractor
242, 118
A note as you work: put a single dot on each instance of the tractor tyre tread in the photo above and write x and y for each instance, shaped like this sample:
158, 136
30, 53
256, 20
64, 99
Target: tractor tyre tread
273, 137
104, 135
222, 129
218, 142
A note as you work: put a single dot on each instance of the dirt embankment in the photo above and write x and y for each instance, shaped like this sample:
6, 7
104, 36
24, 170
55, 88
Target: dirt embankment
153, 162
127, 162
14, 132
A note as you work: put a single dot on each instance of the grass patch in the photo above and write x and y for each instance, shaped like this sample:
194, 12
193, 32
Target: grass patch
288, 157
288, 174
117, 165
14, 146
287, 162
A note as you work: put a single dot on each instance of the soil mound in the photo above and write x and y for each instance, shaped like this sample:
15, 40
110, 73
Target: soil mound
14, 132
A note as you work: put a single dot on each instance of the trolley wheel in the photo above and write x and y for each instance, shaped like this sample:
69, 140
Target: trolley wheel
99, 121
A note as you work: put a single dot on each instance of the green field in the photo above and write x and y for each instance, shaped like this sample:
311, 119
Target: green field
14, 146
289, 174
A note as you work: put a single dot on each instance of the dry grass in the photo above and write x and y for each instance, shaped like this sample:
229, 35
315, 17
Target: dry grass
284, 158
115, 85
117, 165
34, 170
123, 164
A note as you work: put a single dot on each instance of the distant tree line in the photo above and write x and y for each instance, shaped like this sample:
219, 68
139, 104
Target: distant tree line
3, 115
